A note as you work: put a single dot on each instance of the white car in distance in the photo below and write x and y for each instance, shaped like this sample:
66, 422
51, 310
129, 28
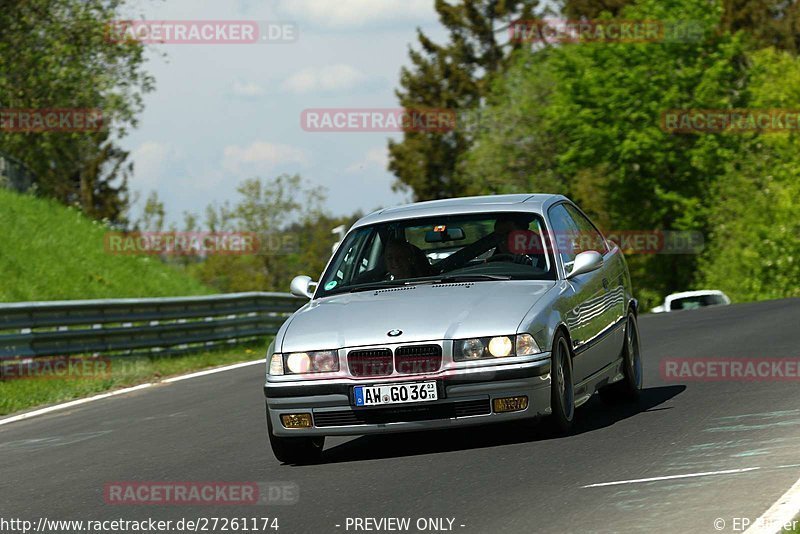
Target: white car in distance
690, 300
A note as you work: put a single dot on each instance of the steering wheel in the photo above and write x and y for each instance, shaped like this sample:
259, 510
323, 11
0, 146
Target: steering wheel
513, 258
501, 257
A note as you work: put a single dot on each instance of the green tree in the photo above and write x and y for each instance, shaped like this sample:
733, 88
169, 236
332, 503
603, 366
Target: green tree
153, 214
766, 22
753, 250
592, 9
293, 231
516, 142
754, 245
584, 120
452, 76
57, 54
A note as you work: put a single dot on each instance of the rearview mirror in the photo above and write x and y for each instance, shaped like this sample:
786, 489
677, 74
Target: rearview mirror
586, 262
302, 286
448, 234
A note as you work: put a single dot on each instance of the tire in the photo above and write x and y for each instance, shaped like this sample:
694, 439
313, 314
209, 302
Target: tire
297, 451
562, 392
630, 387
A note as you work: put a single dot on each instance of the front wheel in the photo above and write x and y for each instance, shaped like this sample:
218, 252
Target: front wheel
629, 388
562, 392
296, 451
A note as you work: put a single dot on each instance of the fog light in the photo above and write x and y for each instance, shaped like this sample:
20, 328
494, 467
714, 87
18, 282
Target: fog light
296, 420
510, 404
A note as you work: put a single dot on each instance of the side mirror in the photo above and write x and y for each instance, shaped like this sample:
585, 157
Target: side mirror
586, 262
302, 286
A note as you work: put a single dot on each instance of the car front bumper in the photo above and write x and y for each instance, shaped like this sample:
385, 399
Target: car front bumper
465, 398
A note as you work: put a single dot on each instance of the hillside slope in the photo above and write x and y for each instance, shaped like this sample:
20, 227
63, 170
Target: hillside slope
50, 252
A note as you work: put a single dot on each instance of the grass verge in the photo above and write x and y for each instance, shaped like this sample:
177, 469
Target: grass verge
24, 393
51, 252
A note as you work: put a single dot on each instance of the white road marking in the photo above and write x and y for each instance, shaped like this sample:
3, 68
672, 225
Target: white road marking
78, 402
212, 371
37, 444
70, 404
673, 477
779, 514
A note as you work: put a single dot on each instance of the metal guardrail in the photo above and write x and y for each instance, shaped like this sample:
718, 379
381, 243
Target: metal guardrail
14, 174
32, 329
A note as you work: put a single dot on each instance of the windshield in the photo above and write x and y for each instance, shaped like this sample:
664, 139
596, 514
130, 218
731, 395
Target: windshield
474, 247
698, 301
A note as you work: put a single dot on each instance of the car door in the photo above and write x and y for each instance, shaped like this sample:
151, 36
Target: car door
607, 310
581, 297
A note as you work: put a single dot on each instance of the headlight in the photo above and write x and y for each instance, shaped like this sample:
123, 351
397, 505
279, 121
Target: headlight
298, 362
494, 347
325, 361
276, 364
501, 346
321, 361
471, 349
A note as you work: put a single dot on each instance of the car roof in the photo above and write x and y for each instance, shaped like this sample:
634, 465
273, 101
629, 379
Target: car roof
697, 293
528, 202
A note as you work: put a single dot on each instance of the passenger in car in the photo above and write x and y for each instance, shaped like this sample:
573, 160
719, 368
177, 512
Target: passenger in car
404, 260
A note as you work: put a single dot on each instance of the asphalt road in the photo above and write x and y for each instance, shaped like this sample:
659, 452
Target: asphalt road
486, 479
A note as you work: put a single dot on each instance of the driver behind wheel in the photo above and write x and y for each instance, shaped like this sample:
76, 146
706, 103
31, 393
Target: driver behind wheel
504, 229
516, 243
404, 260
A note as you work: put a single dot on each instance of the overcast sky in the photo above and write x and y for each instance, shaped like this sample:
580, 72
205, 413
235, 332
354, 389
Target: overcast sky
222, 113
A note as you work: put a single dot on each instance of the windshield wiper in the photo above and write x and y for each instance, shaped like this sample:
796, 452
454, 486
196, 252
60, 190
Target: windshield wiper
423, 281
378, 285
474, 277
459, 278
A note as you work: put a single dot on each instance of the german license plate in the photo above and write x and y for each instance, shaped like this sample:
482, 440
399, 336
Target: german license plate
395, 393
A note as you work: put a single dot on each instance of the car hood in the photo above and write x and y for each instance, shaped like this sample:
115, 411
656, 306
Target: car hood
422, 313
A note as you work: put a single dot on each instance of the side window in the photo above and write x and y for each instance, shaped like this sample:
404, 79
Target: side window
565, 234
371, 255
588, 238
348, 268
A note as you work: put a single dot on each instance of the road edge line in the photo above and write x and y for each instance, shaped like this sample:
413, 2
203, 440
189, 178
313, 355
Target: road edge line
779, 514
213, 371
77, 402
672, 477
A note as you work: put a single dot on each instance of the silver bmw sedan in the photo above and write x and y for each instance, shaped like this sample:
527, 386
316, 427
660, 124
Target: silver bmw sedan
450, 313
